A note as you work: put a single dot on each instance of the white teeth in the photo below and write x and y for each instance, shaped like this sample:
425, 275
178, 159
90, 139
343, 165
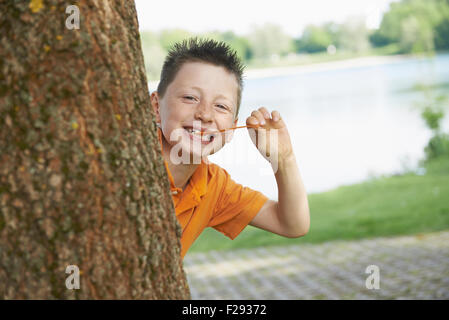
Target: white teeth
205, 137
194, 131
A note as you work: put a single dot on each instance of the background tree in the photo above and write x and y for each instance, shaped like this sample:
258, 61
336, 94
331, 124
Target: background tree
154, 54
415, 26
350, 36
416, 36
169, 37
269, 40
82, 180
314, 39
238, 43
353, 35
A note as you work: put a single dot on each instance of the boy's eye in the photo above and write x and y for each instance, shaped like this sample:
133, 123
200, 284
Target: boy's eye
189, 97
222, 107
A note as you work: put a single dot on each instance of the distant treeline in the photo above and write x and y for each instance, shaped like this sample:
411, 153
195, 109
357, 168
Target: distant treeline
409, 26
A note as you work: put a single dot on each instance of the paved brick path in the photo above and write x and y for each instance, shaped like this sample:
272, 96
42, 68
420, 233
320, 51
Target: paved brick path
411, 267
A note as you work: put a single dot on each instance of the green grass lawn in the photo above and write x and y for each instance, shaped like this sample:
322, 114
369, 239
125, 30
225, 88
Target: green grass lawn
383, 206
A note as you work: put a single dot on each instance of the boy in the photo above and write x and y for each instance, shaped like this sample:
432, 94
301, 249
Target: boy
197, 99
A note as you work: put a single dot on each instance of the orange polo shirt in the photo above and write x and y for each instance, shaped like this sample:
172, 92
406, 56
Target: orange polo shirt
212, 199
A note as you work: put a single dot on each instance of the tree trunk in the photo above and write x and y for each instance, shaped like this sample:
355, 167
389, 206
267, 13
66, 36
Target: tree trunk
82, 180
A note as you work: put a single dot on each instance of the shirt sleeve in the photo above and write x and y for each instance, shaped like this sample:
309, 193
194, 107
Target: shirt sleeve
236, 207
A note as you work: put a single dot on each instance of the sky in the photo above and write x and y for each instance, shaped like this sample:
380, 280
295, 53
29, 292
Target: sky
240, 15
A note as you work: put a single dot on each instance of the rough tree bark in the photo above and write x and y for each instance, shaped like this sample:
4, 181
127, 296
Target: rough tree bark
82, 180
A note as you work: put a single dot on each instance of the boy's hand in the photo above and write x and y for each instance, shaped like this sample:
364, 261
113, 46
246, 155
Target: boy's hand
266, 123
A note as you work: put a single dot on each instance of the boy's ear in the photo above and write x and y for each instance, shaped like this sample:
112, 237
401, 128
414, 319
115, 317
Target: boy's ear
154, 99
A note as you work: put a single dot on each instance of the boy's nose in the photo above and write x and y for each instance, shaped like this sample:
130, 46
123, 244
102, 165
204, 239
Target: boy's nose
204, 112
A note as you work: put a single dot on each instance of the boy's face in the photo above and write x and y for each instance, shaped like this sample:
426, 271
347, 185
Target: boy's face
200, 94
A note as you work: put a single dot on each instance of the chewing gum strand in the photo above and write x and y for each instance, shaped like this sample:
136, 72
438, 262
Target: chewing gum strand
250, 126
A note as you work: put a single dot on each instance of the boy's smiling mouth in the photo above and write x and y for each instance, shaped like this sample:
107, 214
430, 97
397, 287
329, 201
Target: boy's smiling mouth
200, 135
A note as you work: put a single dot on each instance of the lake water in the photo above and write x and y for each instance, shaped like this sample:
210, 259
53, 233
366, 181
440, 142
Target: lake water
346, 125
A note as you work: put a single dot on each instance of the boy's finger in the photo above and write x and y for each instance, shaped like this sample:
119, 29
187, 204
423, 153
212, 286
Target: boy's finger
252, 131
265, 112
276, 115
258, 115
252, 120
